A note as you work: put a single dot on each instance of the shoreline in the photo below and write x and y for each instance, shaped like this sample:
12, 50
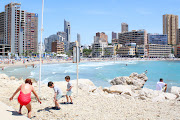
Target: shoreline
55, 61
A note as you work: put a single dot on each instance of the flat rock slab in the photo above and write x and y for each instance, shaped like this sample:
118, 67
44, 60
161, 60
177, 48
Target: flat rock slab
8, 113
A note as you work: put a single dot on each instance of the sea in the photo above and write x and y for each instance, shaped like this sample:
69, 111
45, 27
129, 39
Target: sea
101, 73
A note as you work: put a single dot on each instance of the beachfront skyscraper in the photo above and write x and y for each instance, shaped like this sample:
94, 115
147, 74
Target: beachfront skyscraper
2, 17
31, 32
67, 29
124, 27
14, 27
170, 27
20, 29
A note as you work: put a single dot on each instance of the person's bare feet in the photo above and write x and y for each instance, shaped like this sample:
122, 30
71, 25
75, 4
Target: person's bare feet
20, 112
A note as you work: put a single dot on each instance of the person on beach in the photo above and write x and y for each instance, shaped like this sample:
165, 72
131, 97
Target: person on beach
57, 95
69, 90
146, 72
24, 97
161, 86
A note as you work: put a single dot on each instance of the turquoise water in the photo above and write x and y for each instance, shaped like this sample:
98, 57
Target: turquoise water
102, 72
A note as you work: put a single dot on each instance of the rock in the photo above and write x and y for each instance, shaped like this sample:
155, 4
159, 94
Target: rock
170, 96
106, 89
148, 93
142, 97
12, 78
4, 76
175, 90
125, 89
134, 79
178, 99
133, 75
99, 90
86, 85
159, 98
87, 88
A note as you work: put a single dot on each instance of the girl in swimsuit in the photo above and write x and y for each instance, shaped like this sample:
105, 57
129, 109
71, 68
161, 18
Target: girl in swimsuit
24, 97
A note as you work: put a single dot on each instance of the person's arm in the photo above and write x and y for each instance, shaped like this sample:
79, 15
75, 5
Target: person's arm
55, 96
36, 95
69, 88
18, 89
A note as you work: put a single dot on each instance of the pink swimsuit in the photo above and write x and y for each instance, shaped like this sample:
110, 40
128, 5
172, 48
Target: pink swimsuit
24, 99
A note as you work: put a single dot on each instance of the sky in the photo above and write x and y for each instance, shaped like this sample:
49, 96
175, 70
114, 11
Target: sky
90, 16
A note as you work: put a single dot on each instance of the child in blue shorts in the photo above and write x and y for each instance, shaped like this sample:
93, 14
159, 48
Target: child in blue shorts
69, 89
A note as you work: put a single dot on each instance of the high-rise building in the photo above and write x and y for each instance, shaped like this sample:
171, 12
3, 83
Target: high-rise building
63, 38
139, 37
48, 42
67, 29
79, 39
31, 39
2, 18
157, 39
178, 42
14, 27
57, 47
170, 27
124, 27
114, 35
100, 42
20, 29
101, 36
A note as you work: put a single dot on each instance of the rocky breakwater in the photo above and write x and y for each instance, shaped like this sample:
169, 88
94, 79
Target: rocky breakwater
131, 87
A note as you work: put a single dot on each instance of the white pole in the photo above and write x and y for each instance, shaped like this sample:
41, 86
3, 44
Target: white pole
40, 49
77, 60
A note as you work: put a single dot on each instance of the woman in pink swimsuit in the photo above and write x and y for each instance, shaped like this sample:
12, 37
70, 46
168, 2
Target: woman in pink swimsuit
24, 97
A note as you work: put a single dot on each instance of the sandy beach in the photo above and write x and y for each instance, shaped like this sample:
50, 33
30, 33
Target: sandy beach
97, 105
12, 62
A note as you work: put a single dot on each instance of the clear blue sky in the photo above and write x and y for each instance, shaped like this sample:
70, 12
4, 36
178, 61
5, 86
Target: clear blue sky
90, 16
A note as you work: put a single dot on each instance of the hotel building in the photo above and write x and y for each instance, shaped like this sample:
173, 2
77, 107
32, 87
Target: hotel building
139, 37
127, 50
20, 29
177, 51
157, 50
157, 39
170, 28
57, 47
2, 19
124, 27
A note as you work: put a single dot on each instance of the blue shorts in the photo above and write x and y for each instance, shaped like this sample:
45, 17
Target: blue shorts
69, 93
58, 97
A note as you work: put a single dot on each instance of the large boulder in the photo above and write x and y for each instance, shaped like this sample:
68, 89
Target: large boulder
4, 76
12, 78
86, 85
170, 96
121, 89
159, 98
175, 90
148, 93
134, 79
